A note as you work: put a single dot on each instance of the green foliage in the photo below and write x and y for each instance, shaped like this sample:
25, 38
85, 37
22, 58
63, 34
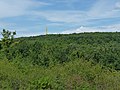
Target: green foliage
49, 50
7, 42
7, 39
42, 83
86, 61
74, 75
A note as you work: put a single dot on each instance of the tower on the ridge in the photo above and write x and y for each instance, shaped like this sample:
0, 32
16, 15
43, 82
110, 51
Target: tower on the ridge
46, 30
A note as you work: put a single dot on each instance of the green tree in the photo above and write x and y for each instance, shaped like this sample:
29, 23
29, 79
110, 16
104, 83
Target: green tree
7, 39
6, 42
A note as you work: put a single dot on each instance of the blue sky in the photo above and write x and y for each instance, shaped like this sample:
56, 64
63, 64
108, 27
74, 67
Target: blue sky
30, 17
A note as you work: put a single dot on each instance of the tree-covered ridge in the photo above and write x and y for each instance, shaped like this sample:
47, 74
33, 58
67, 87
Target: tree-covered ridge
49, 50
85, 61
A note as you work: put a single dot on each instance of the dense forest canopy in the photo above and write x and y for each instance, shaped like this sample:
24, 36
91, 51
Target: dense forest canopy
45, 50
85, 61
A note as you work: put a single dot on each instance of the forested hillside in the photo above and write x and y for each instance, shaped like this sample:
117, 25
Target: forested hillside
49, 50
85, 61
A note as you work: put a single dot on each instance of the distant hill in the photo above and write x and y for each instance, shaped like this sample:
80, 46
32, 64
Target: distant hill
44, 50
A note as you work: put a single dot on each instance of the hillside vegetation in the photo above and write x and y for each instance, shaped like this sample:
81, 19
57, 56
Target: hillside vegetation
86, 61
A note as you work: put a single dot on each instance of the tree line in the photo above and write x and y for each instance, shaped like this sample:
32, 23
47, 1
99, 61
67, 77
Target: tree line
49, 50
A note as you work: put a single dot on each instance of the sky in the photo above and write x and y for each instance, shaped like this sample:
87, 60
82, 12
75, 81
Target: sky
31, 17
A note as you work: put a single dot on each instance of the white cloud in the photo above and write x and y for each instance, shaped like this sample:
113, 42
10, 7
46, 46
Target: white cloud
11, 8
100, 10
64, 1
114, 27
55, 24
104, 9
117, 5
5, 24
61, 16
28, 34
82, 29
